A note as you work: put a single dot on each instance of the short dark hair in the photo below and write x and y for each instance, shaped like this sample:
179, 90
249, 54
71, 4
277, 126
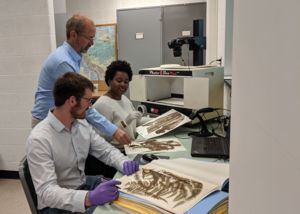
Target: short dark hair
70, 84
77, 23
115, 66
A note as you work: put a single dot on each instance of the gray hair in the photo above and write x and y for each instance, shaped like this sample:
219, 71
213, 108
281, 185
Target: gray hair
77, 23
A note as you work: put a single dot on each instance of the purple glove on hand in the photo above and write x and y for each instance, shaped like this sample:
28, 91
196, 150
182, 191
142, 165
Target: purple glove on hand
104, 192
130, 167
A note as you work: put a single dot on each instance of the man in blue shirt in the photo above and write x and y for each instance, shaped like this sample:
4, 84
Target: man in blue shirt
80, 32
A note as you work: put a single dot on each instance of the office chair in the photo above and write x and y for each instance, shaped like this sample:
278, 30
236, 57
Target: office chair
27, 185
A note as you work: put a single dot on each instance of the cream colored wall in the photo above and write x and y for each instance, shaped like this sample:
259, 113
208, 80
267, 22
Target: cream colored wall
150, 3
104, 12
26, 38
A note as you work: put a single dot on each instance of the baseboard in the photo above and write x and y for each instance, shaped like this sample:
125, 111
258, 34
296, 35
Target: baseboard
9, 174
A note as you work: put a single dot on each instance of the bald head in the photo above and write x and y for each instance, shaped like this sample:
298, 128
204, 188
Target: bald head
78, 23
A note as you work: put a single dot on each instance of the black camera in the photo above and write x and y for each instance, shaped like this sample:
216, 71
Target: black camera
176, 44
195, 43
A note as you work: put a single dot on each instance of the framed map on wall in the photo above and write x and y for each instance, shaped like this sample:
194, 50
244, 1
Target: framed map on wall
102, 53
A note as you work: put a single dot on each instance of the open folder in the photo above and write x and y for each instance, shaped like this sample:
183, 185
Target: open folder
175, 186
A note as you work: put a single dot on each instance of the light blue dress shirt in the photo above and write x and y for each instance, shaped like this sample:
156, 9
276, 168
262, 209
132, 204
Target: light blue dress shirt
56, 158
63, 59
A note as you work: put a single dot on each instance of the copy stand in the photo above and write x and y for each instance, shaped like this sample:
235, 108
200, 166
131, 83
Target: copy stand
203, 129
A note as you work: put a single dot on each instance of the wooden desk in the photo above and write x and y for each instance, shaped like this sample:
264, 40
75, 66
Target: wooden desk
182, 134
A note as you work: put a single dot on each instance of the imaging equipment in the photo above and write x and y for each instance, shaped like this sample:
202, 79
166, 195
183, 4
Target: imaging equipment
183, 88
197, 43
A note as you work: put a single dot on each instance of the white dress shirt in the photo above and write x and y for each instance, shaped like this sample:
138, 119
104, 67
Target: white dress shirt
56, 158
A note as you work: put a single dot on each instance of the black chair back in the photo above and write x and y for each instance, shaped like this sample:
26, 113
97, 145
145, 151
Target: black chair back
27, 185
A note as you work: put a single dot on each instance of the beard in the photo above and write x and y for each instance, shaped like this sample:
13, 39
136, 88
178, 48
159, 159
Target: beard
75, 112
80, 48
85, 49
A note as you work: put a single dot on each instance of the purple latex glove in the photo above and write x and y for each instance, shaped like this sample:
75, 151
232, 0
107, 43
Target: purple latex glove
130, 167
104, 192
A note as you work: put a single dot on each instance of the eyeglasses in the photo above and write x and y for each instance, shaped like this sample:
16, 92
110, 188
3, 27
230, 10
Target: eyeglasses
91, 39
89, 99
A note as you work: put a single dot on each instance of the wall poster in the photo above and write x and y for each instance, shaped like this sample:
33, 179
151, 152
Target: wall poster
102, 53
